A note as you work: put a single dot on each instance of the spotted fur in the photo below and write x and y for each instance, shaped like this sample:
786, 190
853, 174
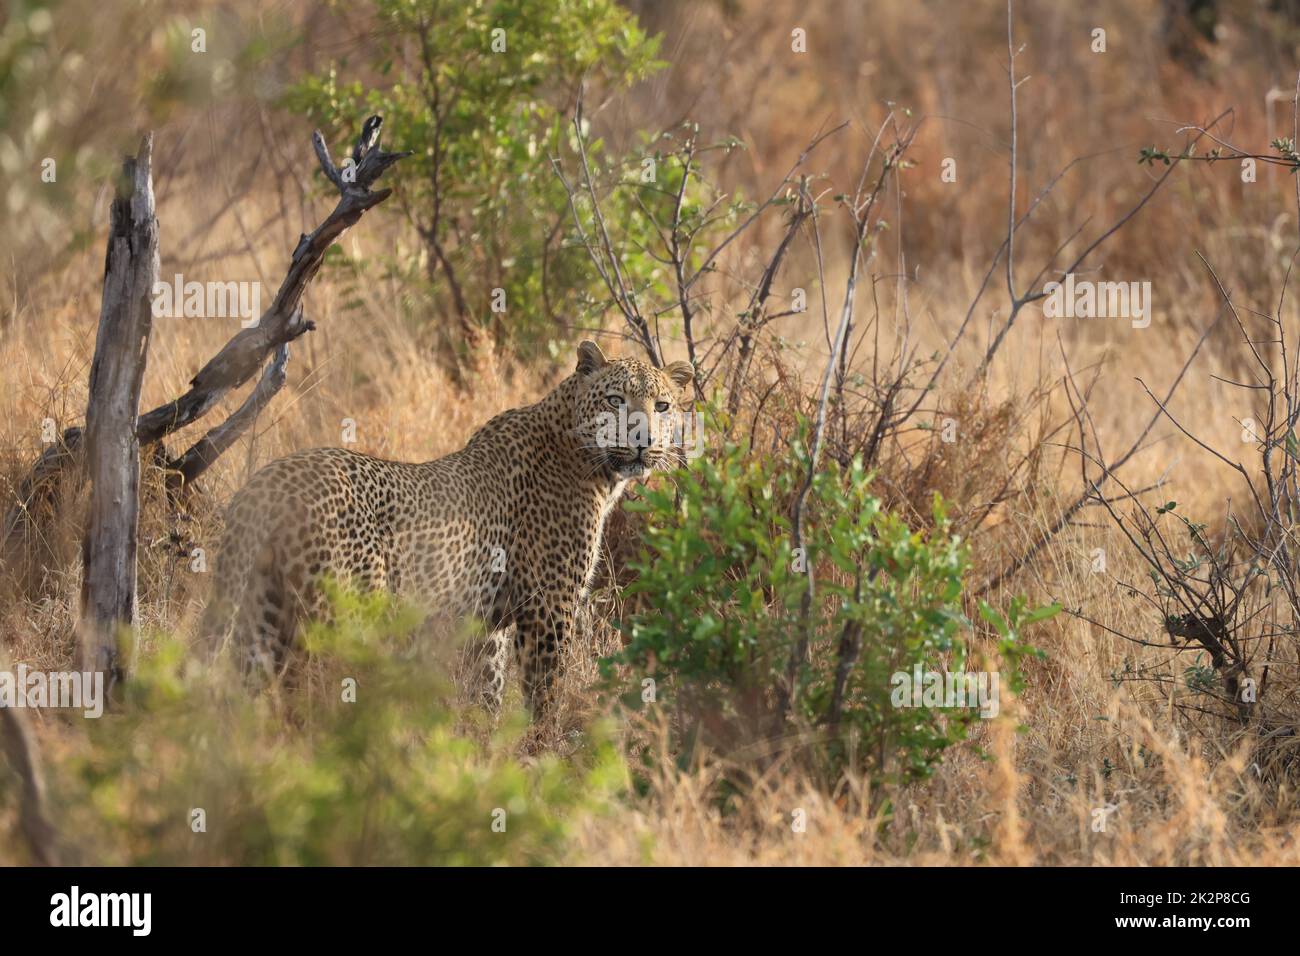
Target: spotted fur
507, 530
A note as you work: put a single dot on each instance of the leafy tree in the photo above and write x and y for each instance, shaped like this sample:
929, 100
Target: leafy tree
479, 92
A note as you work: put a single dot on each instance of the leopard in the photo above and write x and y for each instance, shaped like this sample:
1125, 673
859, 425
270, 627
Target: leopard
506, 531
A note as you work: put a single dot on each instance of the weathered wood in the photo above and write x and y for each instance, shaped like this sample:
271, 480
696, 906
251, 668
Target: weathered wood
25, 545
58, 469
185, 468
108, 588
241, 357
20, 752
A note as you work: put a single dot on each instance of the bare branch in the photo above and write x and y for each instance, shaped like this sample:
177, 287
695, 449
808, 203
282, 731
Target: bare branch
236, 363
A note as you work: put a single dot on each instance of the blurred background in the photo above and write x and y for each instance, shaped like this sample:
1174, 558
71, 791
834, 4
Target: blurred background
236, 182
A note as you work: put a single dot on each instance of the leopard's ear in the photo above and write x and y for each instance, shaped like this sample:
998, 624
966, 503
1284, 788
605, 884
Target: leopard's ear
590, 358
681, 373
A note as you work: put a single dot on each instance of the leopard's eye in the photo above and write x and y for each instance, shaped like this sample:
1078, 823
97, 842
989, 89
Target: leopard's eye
661, 406
615, 401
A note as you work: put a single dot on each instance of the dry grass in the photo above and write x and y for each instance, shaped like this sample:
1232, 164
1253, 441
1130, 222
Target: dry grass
1024, 790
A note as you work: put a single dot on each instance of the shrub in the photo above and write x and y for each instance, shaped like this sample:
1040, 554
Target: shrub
729, 590
484, 115
307, 778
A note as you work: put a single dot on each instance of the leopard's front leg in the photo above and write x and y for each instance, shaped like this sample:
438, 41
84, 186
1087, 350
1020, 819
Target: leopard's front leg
485, 669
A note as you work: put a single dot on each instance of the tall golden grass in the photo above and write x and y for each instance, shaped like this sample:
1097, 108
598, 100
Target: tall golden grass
233, 194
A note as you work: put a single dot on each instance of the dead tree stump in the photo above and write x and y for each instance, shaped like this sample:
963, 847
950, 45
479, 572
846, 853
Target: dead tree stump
108, 588
107, 450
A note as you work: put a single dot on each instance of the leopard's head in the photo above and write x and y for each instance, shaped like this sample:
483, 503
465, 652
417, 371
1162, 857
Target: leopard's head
627, 413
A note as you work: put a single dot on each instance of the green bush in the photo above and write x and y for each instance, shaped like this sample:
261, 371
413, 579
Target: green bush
484, 124
727, 592
307, 778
